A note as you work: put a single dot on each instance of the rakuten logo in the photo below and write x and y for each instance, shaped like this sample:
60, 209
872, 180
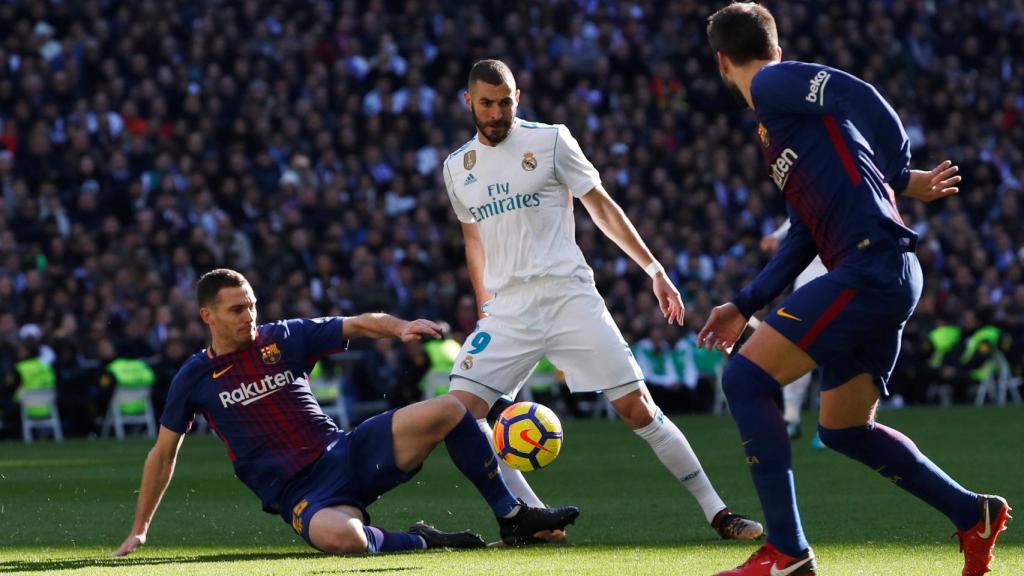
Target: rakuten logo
817, 93
248, 393
780, 168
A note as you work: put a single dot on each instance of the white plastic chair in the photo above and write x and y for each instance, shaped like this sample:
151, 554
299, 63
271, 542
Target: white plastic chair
40, 398
1000, 384
116, 420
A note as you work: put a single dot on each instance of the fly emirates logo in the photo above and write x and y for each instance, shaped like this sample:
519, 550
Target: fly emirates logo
247, 393
501, 200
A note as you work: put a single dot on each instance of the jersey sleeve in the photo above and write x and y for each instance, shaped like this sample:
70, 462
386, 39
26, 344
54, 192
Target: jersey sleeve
321, 337
793, 88
460, 209
179, 411
795, 252
571, 166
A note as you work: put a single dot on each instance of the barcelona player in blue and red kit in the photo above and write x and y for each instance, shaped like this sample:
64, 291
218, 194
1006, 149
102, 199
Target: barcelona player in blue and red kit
252, 386
839, 154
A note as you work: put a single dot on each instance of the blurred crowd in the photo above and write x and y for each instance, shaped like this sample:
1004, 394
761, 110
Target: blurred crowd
144, 143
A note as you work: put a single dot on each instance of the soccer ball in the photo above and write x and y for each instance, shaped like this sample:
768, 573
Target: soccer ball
527, 436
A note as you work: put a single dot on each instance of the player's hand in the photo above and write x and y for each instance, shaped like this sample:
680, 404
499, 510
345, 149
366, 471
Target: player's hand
770, 244
130, 544
669, 301
481, 302
420, 329
723, 328
933, 184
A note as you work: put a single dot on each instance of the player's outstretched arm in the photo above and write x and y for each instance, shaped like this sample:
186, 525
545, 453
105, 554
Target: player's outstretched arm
380, 325
610, 218
156, 476
939, 182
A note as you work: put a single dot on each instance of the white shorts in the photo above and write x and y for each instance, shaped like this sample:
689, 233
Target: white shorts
815, 269
564, 319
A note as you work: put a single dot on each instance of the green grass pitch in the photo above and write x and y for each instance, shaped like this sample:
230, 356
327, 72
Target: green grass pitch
65, 508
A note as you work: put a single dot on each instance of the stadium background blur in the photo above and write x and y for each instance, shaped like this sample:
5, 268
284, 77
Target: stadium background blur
144, 143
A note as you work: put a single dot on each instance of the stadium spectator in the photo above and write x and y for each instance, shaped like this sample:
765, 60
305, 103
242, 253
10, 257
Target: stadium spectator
142, 144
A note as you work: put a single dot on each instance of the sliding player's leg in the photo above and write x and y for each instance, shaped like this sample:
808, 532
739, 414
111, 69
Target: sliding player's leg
327, 504
416, 429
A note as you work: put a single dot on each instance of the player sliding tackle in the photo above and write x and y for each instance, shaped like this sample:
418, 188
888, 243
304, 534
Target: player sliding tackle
837, 151
512, 186
252, 386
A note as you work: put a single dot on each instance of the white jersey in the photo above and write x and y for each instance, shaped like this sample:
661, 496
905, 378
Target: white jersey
520, 194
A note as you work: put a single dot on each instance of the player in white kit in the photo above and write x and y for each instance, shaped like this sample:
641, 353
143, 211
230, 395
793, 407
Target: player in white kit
794, 394
512, 187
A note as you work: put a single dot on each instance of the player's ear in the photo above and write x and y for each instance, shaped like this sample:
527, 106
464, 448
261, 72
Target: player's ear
723, 62
778, 52
206, 315
517, 95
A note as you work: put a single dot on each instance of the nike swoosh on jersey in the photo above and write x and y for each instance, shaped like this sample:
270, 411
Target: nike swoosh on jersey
789, 569
219, 373
988, 524
525, 437
782, 312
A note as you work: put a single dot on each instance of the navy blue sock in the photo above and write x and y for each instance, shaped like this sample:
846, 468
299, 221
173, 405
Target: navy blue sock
893, 455
751, 394
471, 452
383, 541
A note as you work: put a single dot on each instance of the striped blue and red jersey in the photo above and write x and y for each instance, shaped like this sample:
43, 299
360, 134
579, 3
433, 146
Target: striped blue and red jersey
258, 401
838, 151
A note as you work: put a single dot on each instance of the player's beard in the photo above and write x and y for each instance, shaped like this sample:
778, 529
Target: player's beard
735, 92
488, 128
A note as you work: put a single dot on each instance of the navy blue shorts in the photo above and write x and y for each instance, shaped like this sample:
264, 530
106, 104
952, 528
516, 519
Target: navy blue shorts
355, 470
850, 321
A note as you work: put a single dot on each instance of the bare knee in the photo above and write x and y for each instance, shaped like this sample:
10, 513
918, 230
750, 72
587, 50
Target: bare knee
448, 412
477, 406
637, 409
345, 539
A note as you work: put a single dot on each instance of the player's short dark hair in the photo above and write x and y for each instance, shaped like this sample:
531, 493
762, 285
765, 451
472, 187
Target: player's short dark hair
744, 31
494, 72
210, 284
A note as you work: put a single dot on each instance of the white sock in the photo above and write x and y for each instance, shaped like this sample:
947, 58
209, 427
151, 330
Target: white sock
675, 453
513, 478
793, 398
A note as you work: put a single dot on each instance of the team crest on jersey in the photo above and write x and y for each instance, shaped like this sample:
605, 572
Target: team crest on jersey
271, 354
469, 160
529, 162
762, 133
467, 363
